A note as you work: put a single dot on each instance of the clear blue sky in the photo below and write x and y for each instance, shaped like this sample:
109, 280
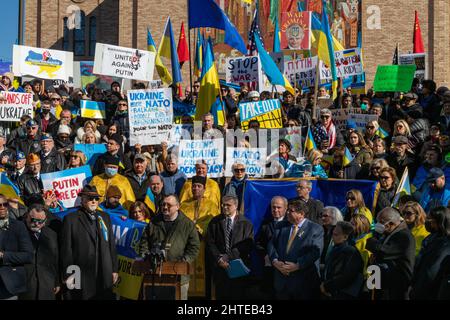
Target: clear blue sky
10, 18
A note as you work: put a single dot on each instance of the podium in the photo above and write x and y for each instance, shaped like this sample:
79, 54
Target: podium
164, 287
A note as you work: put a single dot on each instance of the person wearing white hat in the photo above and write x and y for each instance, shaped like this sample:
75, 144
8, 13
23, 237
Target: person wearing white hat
253, 96
6, 83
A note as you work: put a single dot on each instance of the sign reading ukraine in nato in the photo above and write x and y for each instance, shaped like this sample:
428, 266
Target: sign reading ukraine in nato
267, 112
150, 115
42, 63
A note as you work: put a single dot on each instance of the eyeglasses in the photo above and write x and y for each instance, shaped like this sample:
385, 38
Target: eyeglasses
384, 177
56, 99
408, 213
197, 87
122, 104
38, 221
74, 156
350, 198
93, 198
399, 126
239, 170
4, 204
376, 168
370, 127
324, 117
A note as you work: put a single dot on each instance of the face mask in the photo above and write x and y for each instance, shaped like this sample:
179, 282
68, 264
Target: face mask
111, 172
45, 111
363, 106
379, 228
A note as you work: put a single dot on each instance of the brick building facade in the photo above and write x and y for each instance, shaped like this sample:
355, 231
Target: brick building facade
125, 22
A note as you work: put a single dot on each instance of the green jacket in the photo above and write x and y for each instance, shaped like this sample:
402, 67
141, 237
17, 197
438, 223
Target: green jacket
182, 238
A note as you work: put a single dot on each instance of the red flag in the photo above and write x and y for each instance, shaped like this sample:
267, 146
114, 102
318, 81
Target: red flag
418, 42
182, 49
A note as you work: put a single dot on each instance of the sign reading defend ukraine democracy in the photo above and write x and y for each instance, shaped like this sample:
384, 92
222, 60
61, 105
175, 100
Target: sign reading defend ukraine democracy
42, 63
210, 150
15, 106
67, 184
267, 112
150, 115
124, 62
254, 160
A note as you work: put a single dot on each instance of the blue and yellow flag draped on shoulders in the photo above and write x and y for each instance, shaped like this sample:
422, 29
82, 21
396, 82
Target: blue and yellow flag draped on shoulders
9, 189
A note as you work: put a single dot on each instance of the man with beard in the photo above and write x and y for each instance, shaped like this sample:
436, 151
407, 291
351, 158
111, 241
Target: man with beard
401, 158
112, 202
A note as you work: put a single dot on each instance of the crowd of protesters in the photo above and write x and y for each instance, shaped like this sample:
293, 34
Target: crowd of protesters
309, 250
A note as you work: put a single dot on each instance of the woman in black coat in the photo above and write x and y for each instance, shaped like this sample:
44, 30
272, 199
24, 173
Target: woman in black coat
427, 277
343, 275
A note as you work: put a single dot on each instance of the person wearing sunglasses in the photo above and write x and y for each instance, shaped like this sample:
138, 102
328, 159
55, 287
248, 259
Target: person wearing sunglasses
374, 169
354, 204
121, 118
388, 187
415, 218
16, 251
88, 241
236, 186
334, 136
30, 143
56, 105
43, 281
370, 134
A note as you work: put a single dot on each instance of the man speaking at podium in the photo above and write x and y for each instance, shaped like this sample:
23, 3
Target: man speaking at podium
174, 233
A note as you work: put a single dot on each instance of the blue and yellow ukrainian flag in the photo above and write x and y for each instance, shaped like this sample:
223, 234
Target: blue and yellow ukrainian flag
349, 53
382, 133
168, 49
198, 55
92, 109
209, 85
310, 144
217, 112
150, 200
404, 187
348, 158
9, 189
163, 72
270, 68
276, 37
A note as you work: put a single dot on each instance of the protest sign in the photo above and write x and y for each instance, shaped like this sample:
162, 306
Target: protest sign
340, 117
127, 234
42, 63
301, 72
124, 62
155, 84
67, 184
92, 109
180, 131
244, 71
150, 115
267, 112
87, 76
91, 151
395, 78
254, 160
296, 30
210, 150
348, 63
418, 59
180, 109
15, 105
294, 136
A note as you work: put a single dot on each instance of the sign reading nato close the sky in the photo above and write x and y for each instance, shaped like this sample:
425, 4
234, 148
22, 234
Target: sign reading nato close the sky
42, 63
124, 62
150, 115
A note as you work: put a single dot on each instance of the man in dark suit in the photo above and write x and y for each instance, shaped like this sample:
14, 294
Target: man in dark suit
87, 241
229, 237
43, 274
314, 207
278, 207
394, 252
295, 252
16, 250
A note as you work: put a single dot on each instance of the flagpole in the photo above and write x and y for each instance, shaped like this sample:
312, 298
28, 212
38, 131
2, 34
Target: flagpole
316, 88
190, 51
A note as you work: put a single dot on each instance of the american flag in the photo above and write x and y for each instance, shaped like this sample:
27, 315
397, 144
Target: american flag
254, 31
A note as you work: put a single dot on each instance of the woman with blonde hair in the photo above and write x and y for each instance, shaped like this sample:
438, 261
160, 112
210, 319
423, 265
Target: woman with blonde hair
374, 169
355, 205
89, 125
77, 159
370, 134
360, 236
415, 217
401, 128
315, 159
89, 138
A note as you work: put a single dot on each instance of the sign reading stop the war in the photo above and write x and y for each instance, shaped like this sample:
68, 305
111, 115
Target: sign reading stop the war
244, 71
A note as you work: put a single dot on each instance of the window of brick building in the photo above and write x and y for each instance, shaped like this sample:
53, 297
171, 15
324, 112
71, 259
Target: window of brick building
66, 35
92, 35
79, 45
